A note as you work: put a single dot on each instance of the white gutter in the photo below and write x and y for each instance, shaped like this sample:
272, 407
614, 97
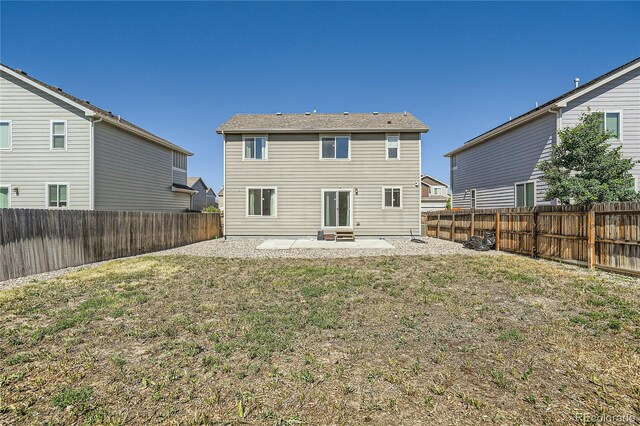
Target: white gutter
329, 130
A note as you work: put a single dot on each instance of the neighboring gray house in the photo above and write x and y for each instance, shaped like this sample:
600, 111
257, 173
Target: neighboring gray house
434, 194
59, 151
205, 196
295, 174
498, 168
221, 199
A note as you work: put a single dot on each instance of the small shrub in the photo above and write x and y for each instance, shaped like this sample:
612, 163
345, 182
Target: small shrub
210, 209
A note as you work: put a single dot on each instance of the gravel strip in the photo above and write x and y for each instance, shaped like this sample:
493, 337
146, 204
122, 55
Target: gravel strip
247, 248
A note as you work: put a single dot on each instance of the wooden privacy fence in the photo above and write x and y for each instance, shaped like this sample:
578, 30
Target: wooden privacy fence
34, 241
605, 236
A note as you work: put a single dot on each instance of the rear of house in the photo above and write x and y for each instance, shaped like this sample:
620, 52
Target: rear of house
59, 151
295, 174
498, 169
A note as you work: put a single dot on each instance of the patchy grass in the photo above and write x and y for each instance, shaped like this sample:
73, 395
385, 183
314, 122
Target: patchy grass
494, 340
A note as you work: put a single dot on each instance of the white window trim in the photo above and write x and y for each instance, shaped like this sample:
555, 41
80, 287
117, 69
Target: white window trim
322, 191
66, 135
46, 195
433, 188
10, 122
246, 201
454, 159
637, 184
266, 148
473, 198
9, 193
386, 146
535, 192
604, 124
385, 207
348, 136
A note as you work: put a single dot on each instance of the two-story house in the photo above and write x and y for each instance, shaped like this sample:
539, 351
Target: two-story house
498, 169
295, 174
59, 151
434, 195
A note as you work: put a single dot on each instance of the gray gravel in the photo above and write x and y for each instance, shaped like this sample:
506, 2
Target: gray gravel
247, 249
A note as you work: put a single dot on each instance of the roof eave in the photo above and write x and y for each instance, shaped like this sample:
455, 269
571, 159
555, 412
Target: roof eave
559, 103
330, 130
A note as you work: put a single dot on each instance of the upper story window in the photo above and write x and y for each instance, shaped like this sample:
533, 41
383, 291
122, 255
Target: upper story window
525, 194
437, 190
473, 198
57, 195
58, 135
179, 160
5, 135
255, 148
335, 147
454, 161
393, 147
611, 122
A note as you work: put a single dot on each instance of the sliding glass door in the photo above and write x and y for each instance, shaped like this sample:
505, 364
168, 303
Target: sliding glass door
336, 209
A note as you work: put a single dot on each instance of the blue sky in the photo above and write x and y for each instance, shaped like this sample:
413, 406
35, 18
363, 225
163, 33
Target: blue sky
181, 69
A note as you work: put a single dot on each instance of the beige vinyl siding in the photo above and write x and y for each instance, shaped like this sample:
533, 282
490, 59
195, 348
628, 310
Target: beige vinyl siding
132, 173
493, 167
619, 95
31, 164
295, 168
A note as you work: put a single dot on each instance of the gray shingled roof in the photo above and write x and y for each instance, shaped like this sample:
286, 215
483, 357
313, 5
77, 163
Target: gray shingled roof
99, 111
240, 123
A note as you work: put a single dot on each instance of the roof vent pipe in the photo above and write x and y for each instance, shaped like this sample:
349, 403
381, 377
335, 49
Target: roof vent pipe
278, 113
307, 113
345, 113
375, 112
576, 81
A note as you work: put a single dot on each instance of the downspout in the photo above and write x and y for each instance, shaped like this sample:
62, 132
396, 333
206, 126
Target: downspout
92, 155
224, 180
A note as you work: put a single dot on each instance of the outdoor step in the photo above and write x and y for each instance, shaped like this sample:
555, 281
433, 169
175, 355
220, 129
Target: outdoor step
345, 236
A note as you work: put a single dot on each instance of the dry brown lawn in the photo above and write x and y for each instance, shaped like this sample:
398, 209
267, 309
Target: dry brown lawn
390, 340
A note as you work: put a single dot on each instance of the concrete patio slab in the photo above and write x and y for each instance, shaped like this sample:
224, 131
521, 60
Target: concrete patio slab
276, 245
331, 245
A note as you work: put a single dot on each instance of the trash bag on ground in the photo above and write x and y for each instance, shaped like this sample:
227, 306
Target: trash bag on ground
481, 244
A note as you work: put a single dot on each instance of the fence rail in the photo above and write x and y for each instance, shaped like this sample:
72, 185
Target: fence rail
605, 236
34, 241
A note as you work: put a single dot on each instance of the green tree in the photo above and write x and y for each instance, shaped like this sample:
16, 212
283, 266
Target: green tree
584, 168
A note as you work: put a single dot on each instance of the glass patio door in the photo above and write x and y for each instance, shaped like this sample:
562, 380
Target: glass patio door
337, 209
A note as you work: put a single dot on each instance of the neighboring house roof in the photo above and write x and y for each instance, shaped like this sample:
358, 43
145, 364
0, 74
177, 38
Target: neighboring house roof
221, 192
433, 179
359, 122
193, 180
89, 109
210, 191
559, 102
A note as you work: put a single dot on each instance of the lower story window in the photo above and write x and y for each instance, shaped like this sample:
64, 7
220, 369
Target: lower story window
57, 195
4, 197
392, 197
261, 201
525, 194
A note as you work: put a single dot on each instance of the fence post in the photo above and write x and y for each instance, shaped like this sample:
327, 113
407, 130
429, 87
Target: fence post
534, 232
591, 238
438, 227
497, 231
453, 227
472, 228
